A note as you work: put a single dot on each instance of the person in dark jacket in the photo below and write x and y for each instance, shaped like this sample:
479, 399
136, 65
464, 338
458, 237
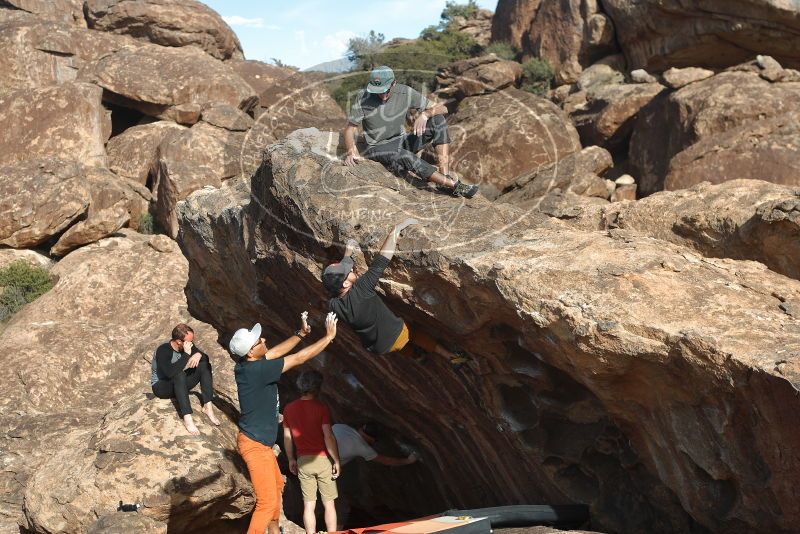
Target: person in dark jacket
178, 366
355, 301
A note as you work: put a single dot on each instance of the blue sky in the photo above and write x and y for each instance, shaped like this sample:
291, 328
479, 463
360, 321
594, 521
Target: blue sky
305, 33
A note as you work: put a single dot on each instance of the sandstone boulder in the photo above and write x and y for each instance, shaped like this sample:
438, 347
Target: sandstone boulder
569, 35
739, 219
62, 196
642, 76
228, 118
175, 23
608, 71
476, 76
761, 150
67, 11
113, 302
699, 111
156, 80
203, 155
498, 136
677, 78
132, 153
65, 121
31, 257
98, 225
576, 173
478, 26
658, 34
141, 453
259, 75
610, 112
593, 357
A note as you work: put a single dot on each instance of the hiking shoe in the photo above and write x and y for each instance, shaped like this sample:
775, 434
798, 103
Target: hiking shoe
464, 190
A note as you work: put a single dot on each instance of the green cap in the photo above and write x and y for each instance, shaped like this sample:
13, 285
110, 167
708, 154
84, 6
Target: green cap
380, 79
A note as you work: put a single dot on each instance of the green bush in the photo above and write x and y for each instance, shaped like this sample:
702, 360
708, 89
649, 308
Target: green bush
146, 223
503, 50
453, 9
21, 283
537, 76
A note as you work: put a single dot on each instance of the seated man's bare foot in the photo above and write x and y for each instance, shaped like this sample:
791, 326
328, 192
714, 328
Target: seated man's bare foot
208, 409
188, 422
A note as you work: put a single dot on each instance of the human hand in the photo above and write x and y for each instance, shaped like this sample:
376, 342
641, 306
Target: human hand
304, 327
352, 158
330, 325
420, 123
193, 361
352, 246
187, 347
405, 224
336, 470
293, 467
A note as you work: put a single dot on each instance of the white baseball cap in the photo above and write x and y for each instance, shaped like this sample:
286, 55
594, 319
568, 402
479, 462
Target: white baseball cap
244, 339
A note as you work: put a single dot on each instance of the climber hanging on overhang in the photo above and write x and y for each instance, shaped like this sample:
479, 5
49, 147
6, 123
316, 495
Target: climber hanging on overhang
381, 109
355, 301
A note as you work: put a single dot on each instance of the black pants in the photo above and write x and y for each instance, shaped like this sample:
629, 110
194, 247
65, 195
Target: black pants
178, 388
400, 155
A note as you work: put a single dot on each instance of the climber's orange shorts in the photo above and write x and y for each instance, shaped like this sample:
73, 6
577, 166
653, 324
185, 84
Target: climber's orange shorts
267, 482
416, 337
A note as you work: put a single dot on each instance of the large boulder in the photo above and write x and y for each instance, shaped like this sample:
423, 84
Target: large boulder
132, 153
66, 11
570, 35
610, 112
65, 121
261, 76
701, 110
498, 136
99, 224
203, 155
478, 25
141, 453
739, 219
762, 150
31, 257
61, 196
175, 23
476, 76
658, 34
112, 303
168, 83
591, 357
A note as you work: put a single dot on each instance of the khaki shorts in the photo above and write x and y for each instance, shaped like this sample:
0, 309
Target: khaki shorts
315, 472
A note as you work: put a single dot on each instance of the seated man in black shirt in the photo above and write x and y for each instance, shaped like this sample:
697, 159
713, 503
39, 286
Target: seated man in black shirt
355, 301
178, 366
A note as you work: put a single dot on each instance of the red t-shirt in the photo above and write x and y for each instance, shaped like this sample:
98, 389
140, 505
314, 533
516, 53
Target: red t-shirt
305, 419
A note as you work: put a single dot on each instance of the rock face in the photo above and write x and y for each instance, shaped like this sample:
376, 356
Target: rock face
570, 35
740, 219
658, 34
98, 225
28, 219
478, 26
498, 136
701, 111
69, 11
679, 415
175, 23
132, 153
65, 121
77, 429
163, 82
476, 76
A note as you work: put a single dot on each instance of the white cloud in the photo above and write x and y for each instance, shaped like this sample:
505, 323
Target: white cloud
335, 44
236, 20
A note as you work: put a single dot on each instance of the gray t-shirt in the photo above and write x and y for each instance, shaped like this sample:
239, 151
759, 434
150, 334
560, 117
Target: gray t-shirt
383, 121
351, 445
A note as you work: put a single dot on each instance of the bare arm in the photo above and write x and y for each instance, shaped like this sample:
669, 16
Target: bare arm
390, 243
393, 462
332, 448
282, 349
349, 134
288, 446
308, 353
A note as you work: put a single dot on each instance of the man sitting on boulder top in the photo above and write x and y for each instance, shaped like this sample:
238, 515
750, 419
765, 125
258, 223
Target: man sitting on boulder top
382, 109
354, 299
178, 366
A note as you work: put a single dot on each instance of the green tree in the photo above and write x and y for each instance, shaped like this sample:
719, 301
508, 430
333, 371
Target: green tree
363, 51
537, 76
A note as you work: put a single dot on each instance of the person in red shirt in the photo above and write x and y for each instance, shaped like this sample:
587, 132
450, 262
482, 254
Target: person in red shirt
311, 450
